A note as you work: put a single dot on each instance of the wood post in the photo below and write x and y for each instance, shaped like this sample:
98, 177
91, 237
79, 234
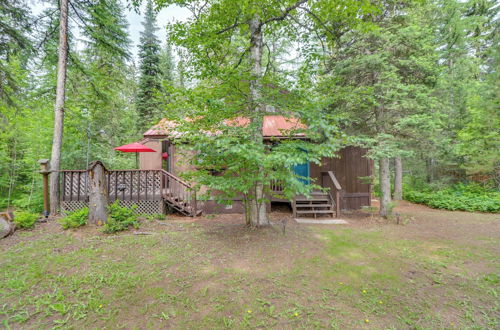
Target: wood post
98, 193
45, 171
337, 203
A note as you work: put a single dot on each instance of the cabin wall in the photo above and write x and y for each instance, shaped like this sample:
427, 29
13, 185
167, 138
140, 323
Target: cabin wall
349, 168
180, 160
151, 160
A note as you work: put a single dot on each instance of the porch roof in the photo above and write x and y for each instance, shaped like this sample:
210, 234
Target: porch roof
273, 126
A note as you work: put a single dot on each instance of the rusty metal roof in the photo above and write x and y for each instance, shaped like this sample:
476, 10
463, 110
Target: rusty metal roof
273, 126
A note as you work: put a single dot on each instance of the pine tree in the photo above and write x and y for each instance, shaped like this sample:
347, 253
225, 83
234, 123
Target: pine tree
148, 98
106, 101
167, 65
468, 39
14, 43
383, 82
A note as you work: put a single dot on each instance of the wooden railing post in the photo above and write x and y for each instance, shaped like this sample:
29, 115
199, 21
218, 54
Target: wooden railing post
98, 193
45, 171
337, 204
338, 189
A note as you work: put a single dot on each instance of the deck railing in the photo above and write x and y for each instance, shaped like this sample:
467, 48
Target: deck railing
336, 191
277, 186
134, 185
74, 185
131, 185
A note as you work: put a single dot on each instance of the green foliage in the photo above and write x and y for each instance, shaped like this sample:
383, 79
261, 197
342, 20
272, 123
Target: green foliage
461, 197
25, 220
75, 219
229, 83
149, 104
99, 112
120, 218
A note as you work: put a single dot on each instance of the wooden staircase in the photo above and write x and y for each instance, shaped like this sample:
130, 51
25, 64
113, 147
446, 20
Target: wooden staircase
318, 205
179, 195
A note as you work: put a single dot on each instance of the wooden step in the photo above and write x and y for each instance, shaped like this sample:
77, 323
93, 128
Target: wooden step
313, 205
312, 200
314, 211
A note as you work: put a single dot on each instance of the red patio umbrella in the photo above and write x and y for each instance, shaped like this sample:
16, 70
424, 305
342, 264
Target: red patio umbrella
134, 147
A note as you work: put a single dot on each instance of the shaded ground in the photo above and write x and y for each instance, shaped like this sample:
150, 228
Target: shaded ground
436, 269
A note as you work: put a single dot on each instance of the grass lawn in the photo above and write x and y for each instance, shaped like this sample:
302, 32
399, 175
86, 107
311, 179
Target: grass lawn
438, 269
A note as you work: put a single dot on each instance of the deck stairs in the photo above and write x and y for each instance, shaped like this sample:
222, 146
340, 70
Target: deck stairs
179, 204
318, 205
179, 195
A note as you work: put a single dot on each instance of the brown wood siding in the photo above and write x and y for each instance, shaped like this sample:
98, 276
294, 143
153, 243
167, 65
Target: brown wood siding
349, 167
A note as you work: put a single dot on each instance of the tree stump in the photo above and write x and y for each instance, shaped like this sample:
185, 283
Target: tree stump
98, 194
7, 227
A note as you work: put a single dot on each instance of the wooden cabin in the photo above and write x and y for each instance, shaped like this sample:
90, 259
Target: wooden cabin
345, 176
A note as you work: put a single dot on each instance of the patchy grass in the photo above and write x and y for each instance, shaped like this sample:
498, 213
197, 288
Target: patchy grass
215, 273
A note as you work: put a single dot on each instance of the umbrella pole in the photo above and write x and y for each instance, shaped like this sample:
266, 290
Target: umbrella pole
136, 160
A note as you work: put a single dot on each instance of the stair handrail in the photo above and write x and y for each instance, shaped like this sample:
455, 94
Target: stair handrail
176, 178
338, 189
189, 194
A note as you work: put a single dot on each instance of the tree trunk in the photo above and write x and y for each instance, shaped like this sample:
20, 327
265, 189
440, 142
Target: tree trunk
385, 187
430, 169
59, 108
398, 179
98, 194
258, 216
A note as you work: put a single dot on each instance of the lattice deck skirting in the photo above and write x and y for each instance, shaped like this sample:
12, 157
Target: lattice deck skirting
143, 207
71, 206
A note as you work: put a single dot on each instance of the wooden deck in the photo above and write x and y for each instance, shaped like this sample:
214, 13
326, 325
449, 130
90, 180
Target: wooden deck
150, 190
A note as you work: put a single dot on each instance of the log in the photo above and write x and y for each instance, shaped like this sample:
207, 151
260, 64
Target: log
98, 194
7, 227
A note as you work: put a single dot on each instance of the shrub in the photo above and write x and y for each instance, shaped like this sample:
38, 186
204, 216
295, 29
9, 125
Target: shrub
75, 219
461, 197
25, 220
120, 218
32, 203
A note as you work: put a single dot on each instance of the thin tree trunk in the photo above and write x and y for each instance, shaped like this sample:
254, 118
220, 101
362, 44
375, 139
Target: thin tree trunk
385, 187
398, 179
258, 215
32, 185
59, 108
12, 176
430, 169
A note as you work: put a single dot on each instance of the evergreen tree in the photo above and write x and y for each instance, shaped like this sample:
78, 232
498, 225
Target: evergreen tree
383, 81
468, 39
149, 99
15, 25
167, 66
109, 117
